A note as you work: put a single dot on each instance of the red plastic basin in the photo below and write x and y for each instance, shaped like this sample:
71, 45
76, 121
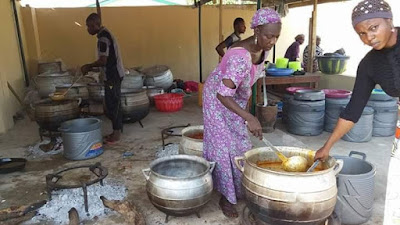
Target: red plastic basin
336, 93
170, 102
292, 90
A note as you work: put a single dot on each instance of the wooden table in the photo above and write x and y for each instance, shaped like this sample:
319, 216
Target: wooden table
311, 78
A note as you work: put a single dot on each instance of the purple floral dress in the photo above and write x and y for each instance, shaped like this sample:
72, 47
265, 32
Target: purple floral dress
225, 133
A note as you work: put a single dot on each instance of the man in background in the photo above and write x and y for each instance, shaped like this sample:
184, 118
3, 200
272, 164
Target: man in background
318, 52
109, 59
239, 28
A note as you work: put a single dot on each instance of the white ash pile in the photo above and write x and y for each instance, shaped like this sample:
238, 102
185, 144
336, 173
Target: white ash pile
62, 201
35, 151
170, 149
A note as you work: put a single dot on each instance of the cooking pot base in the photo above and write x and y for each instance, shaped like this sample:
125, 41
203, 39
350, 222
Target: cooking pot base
248, 218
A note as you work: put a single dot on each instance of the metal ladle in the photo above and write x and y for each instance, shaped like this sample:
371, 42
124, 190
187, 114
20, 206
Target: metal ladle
292, 164
56, 96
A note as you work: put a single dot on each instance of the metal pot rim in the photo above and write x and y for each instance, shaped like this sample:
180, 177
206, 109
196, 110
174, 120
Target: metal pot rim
59, 74
331, 160
373, 167
190, 128
126, 91
77, 85
186, 157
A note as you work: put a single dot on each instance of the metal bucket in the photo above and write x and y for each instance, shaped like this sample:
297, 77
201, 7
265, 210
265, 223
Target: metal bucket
82, 138
355, 184
179, 185
189, 145
288, 198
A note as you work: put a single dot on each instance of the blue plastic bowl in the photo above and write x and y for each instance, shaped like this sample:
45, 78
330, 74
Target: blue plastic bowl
279, 72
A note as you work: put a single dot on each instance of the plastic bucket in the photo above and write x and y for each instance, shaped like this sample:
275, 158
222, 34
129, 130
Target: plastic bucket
82, 138
362, 130
355, 183
295, 65
282, 62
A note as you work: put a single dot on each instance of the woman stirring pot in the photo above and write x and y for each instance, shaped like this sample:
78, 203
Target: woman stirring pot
372, 20
225, 96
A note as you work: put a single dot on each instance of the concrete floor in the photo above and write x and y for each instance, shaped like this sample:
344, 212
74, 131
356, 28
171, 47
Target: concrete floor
22, 188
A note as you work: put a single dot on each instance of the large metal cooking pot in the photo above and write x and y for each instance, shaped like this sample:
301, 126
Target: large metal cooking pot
50, 114
179, 185
159, 76
133, 80
46, 83
135, 104
287, 198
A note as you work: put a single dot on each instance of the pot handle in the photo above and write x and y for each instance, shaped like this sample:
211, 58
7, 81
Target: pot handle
338, 166
238, 159
146, 173
363, 155
79, 101
212, 166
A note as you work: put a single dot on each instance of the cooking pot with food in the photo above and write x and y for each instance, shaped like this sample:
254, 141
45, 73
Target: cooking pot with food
192, 141
278, 197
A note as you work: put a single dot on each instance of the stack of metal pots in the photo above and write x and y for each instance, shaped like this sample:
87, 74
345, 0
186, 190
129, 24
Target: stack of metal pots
158, 76
287, 198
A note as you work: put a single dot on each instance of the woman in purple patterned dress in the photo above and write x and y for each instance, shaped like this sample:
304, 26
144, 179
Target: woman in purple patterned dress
225, 96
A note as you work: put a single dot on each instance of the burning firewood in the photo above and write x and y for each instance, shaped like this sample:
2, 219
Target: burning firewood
73, 217
20, 211
126, 209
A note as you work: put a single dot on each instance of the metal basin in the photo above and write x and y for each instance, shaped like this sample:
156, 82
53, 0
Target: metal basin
288, 198
179, 185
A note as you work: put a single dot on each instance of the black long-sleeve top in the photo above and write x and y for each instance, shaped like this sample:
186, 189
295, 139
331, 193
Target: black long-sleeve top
377, 67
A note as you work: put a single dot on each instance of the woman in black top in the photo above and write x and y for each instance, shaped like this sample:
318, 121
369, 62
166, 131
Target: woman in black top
372, 20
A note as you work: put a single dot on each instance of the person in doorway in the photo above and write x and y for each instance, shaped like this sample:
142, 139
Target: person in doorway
109, 59
225, 96
372, 20
239, 28
318, 52
292, 53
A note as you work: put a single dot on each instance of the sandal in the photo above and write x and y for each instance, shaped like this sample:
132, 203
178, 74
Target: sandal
227, 208
111, 140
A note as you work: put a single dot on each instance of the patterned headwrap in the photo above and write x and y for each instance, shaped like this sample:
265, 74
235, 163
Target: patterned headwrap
369, 9
265, 16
